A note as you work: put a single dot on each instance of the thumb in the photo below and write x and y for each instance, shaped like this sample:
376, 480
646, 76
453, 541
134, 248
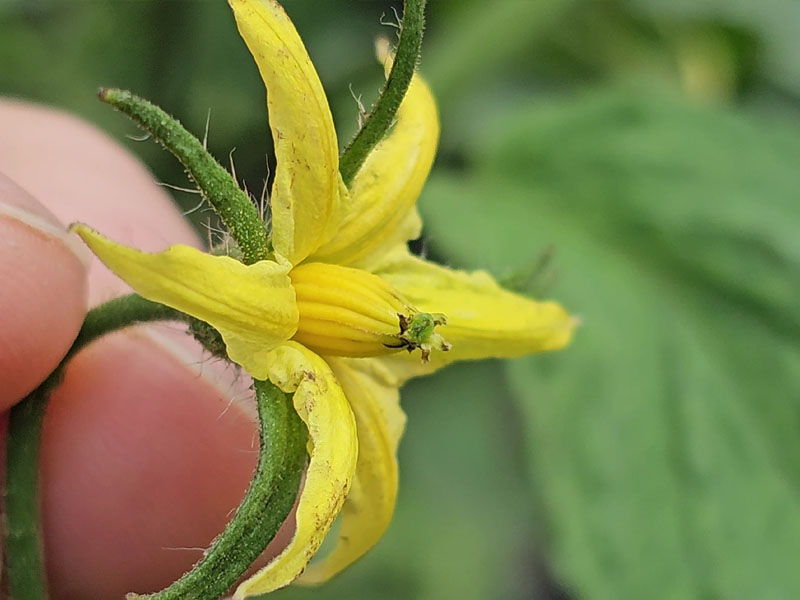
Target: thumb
42, 294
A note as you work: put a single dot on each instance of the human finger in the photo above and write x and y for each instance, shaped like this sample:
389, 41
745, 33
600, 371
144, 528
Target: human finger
42, 291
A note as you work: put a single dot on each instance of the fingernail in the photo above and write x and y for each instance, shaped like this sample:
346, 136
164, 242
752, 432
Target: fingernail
19, 205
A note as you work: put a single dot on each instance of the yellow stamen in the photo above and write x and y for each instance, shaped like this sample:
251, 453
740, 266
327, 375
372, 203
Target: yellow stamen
350, 312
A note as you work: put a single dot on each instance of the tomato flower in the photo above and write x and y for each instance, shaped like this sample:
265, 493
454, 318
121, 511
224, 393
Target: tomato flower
342, 313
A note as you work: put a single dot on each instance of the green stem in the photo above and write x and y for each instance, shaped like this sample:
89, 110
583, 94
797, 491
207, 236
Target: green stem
26, 579
381, 118
267, 503
239, 214
24, 562
118, 313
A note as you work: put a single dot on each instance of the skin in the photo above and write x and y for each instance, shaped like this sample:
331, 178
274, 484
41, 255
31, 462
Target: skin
148, 445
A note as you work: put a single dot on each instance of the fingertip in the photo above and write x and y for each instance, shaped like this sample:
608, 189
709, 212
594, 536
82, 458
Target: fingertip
43, 292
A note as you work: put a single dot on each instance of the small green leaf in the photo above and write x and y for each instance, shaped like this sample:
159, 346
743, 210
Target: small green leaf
665, 442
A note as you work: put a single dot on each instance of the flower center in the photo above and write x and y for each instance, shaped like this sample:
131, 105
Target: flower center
350, 312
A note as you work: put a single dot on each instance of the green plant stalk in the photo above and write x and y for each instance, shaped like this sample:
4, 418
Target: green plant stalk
267, 503
236, 210
381, 117
118, 313
24, 562
24, 567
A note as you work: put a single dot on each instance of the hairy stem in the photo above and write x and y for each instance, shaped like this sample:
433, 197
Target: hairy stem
26, 579
381, 118
268, 501
239, 214
267, 504
24, 561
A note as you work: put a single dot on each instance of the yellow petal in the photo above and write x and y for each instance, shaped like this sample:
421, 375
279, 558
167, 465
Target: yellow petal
380, 213
253, 307
320, 402
483, 320
306, 190
368, 509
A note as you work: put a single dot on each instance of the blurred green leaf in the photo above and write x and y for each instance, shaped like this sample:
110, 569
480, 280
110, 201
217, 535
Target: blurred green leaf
773, 22
664, 442
456, 61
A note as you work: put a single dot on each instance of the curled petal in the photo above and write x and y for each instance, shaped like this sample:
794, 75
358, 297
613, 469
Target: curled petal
368, 509
253, 307
306, 191
381, 210
333, 448
483, 319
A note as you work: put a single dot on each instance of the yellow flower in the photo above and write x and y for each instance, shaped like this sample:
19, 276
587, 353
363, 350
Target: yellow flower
330, 316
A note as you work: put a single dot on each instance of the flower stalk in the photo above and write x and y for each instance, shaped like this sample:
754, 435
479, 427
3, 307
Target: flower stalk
265, 506
24, 561
380, 119
234, 207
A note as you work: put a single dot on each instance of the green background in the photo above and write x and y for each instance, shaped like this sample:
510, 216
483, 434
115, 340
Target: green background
636, 160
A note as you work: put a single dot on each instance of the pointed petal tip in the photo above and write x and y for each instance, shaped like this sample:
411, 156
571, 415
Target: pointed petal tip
252, 306
369, 507
383, 49
81, 229
553, 331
